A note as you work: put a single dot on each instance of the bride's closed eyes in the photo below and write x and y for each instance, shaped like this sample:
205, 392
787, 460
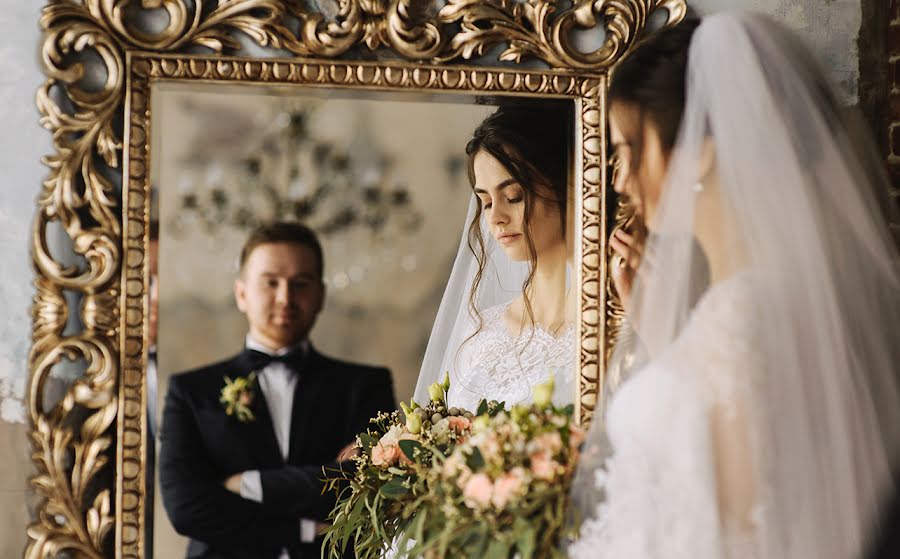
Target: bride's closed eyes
514, 196
486, 204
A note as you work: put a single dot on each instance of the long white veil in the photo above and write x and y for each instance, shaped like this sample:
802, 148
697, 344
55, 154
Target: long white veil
797, 193
501, 282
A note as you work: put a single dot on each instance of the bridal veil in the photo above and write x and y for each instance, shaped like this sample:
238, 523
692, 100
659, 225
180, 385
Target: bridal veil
801, 202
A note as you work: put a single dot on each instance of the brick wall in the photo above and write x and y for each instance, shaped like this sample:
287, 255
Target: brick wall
893, 103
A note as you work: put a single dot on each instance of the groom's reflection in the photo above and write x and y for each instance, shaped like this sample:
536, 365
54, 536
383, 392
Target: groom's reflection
152, 383
243, 441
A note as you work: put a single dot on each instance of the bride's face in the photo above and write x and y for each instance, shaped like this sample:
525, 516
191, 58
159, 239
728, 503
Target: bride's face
642, 167
503, 208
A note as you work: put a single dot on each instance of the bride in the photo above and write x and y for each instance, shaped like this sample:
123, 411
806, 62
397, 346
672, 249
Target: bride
505, 321
762, 420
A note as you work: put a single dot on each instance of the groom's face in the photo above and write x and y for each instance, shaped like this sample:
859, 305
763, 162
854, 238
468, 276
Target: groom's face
280, 291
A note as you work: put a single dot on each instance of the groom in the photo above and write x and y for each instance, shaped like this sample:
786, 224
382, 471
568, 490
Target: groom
240, 469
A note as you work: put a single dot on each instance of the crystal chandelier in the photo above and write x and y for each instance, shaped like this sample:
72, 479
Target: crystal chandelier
352, 195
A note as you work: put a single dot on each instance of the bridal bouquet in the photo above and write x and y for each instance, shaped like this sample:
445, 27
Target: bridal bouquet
502, 491
441, 482
391, 476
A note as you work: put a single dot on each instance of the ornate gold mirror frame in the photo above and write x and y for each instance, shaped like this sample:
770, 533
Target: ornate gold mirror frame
89, 447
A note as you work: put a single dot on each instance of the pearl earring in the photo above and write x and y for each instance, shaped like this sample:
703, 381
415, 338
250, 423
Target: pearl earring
698, 187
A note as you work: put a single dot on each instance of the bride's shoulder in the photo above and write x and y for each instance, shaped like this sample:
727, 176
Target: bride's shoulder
729, 306
493, 314
721, 342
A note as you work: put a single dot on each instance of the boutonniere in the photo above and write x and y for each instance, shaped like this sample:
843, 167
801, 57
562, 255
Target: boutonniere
238, 395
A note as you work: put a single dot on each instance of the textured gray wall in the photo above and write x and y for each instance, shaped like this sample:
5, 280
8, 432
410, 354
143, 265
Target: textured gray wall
831, 27
22, 143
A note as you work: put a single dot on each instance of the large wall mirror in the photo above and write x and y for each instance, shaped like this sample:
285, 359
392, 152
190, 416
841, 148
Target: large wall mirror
212, 135
381, 177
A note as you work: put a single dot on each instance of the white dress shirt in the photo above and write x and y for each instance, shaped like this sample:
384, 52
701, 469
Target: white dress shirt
277, 382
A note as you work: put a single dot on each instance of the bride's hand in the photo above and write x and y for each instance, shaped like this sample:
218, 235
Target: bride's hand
348, 452
625, 267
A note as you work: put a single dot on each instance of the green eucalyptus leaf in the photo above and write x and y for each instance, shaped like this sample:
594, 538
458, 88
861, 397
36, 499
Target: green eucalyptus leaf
475, 461
393, 489
482, 407
497, 549
408, 448
368, 441
526, 539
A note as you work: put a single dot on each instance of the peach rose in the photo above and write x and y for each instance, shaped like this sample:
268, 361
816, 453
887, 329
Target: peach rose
488, 445
387, 452
452, 465
385, 455
477, 491
550, 443
543, 466
505, 488
459, 423
405, 437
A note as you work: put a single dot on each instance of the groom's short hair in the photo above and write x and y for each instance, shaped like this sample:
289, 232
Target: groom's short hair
283, 232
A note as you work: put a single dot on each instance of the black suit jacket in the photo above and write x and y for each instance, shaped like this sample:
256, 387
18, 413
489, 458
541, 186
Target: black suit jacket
201, 446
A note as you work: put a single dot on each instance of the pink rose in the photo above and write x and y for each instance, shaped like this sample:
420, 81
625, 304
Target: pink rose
385, 455
245, 399
477, 491
505, 488
543, 466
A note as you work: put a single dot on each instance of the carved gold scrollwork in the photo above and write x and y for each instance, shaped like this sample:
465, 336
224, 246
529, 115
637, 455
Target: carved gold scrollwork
468, 28
530, 29
100, 417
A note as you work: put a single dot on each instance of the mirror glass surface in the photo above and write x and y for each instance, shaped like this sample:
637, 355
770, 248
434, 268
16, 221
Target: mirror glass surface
383, 179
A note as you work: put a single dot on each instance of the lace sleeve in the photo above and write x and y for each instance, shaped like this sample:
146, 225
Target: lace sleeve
720, 350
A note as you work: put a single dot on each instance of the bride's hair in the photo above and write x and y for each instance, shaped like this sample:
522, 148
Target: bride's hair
651, 80
531, 141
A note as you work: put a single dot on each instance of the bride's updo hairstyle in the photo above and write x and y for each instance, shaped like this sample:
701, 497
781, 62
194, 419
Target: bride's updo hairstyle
531, 140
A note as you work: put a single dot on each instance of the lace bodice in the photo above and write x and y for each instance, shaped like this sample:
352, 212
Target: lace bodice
665, 496
498, 366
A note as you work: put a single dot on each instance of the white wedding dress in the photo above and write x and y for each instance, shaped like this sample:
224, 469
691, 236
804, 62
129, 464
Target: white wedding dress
766, 418
495, 365
663, 495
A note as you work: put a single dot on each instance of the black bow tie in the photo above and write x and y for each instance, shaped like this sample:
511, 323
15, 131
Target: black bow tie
258, 360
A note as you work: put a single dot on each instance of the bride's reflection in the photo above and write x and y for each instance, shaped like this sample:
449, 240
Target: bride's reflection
506, 320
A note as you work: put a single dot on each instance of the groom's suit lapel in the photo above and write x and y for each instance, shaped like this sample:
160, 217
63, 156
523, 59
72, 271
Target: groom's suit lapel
263, 443
307, 399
